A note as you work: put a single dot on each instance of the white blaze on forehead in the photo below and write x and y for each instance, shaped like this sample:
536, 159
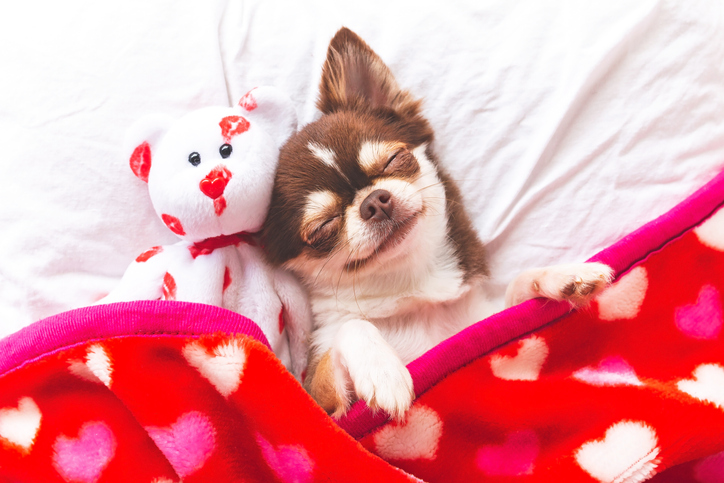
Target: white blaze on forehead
371, 153
318, 203
325, 155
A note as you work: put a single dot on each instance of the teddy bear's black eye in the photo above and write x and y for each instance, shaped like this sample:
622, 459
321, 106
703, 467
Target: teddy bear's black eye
195, 158
225, 150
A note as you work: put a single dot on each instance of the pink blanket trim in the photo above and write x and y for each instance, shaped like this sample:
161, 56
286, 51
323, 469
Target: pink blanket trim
99, 322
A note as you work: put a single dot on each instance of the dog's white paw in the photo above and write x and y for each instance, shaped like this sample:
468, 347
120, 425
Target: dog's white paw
386, 384
375, 371
577, 283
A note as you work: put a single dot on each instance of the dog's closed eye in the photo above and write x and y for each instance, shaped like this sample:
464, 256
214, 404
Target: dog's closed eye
390, 165
401, 163
322, 221
323, 234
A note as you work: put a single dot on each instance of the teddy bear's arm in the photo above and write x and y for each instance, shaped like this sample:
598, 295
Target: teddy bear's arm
143, 279
298, 318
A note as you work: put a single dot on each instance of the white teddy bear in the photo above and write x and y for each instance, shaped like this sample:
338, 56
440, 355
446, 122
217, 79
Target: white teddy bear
210, 177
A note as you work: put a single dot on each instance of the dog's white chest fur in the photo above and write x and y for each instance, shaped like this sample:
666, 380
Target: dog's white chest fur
412, 317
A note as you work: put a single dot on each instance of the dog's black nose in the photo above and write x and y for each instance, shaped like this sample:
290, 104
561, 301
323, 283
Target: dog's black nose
377, 206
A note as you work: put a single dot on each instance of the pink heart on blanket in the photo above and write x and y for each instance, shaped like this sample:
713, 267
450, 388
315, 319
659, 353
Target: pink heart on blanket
703, 319
187, 443
611, 371
711, 469
84, 458
290, 463
514, 457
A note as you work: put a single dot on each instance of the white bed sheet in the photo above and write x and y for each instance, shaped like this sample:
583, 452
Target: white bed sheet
567, 124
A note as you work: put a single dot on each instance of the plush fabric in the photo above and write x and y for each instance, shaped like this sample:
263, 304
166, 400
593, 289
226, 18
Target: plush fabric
210, 176
626, 390
164, 398
617, 392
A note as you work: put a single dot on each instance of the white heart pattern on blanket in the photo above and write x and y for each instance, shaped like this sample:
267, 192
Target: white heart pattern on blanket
611, 371
95, 368
20, 425
626, 454
707, 385
80, 369
99, 364
525, 365
623, 299
416, 438
711, 232
223, 367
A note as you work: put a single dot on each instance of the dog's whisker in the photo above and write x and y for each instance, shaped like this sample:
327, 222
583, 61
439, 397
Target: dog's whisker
354, 291
329, 258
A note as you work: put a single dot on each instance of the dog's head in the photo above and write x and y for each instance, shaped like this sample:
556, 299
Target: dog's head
358, 191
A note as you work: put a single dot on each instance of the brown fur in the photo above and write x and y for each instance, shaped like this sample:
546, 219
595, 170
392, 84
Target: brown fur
355, 78
361, 101
319, 383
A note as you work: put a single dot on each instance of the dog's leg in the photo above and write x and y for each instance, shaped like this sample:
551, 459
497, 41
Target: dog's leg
361, 360
328, 384
578, 283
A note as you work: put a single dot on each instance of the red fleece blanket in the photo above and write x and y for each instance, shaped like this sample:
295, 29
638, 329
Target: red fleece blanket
629, 389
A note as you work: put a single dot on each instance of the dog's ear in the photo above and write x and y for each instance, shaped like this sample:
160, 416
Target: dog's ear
355, 77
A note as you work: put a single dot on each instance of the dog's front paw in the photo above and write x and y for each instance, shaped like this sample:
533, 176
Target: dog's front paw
368, 368
577, 283
385, 383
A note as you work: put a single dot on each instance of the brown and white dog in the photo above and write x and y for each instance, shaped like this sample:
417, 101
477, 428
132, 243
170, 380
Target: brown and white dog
364, 214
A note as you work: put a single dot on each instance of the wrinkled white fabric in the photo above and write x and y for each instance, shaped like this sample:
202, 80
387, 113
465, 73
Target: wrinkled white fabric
567, 124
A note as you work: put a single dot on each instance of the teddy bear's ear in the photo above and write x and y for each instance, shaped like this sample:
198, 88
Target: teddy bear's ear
274, 109
141, 141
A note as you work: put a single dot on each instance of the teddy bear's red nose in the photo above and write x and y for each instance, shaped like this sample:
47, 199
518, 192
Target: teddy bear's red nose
213, 188
214, 184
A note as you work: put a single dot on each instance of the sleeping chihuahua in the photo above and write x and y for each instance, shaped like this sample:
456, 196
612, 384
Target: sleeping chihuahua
375, 228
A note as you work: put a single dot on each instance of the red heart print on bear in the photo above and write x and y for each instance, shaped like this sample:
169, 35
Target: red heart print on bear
232, 126
248, 102
141, 161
